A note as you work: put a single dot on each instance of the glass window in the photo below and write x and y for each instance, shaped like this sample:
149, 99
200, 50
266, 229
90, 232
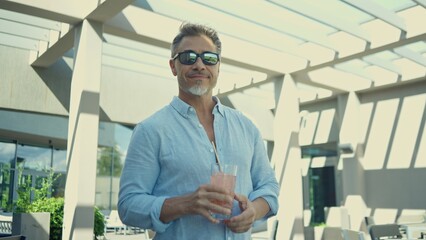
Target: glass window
322, 192
7, 156
110, 163
59, 160
35, 158
7, 152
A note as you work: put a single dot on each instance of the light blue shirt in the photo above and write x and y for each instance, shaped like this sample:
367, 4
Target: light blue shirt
170, 155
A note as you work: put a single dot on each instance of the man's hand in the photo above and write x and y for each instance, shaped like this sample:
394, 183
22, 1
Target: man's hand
250, 212
244, 221
202, 202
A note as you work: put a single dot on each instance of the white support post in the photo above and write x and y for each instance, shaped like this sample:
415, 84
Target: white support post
286, 158
83, 133
349, 161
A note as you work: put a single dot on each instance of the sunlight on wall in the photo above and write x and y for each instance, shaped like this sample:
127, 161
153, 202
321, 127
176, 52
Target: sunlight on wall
383, 118
402, 145
260, 115
385, 215
412, 216
337, 217
395, 139
305, 164
420, 159
308, 128
357, 210
318, 162
324, 126
316, 127
307, 215
364, 120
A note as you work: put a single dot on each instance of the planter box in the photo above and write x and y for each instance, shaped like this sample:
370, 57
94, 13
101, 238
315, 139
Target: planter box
323, 233
34, 226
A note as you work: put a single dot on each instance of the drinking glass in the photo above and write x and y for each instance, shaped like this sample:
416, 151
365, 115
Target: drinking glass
223, 175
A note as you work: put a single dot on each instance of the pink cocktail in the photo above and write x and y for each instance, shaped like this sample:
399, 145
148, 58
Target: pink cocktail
223, 176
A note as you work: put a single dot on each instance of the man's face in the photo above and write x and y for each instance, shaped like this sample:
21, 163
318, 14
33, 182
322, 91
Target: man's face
196, 79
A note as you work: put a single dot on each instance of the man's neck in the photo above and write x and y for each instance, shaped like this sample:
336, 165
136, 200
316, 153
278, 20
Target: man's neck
203, 104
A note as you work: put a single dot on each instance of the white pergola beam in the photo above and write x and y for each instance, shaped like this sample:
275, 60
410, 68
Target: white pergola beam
101, 13
315, 12
30, 20
19, 42
421, 2
413, 56
388, 65
23, 30
70, 12
108, 9
365, 53
127, 24
380, 12
359, 71
302, 77
232, 11
57, 50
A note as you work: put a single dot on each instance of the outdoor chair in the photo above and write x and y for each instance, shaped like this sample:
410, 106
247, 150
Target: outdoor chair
385, 231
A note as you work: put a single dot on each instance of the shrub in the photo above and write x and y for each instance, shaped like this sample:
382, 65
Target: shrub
54, 206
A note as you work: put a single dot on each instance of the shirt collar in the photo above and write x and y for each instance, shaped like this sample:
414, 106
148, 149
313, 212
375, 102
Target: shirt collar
186, 110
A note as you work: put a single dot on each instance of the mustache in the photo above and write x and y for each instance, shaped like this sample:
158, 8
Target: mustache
198, 73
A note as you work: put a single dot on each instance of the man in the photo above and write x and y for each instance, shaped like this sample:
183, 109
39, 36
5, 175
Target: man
165, 180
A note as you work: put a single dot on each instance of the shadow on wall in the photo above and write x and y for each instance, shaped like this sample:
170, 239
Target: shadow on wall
58, 79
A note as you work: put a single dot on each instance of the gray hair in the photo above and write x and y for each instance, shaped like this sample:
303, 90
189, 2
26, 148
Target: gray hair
191, 29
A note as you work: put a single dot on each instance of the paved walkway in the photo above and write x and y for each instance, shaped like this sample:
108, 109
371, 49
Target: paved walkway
121, 236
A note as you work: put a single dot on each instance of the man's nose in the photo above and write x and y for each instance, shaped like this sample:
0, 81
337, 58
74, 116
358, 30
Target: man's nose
199, 63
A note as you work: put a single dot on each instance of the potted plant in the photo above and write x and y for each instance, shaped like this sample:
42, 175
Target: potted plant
45, 214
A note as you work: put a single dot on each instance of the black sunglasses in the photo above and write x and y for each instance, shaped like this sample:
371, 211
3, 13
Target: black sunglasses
190, 57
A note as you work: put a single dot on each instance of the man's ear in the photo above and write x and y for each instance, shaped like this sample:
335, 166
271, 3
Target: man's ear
173, 67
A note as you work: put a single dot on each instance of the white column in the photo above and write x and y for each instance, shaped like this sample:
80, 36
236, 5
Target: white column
83, 133
353, 185
286, 158
348, 110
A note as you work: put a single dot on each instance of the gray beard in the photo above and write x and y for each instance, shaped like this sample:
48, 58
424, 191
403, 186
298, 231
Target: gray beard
197, 90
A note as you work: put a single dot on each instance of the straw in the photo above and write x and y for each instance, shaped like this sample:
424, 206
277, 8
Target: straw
217, 157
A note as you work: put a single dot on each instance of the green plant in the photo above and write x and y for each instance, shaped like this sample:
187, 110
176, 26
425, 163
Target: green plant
99, 228
54, 206
24, 195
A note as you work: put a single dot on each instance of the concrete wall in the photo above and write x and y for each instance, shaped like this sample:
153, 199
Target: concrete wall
393, 137
319, 123
37, 90
123, 97
385, 175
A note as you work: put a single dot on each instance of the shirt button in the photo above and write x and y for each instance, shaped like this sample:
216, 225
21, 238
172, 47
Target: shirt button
200, 126
211, 149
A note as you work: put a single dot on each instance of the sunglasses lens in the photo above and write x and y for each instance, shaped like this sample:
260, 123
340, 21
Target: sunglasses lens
210, 58
188, 58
